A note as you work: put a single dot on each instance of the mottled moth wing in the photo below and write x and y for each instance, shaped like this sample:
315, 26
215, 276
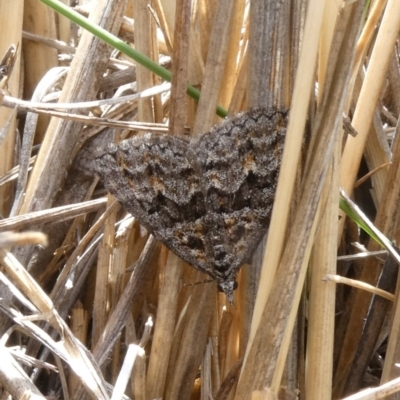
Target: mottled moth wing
152, 178
239, 162
209, 199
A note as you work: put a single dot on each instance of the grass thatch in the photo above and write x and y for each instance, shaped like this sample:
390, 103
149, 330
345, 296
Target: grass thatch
96, 306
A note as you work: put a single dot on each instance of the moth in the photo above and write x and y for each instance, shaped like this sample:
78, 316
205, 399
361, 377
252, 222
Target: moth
209, 198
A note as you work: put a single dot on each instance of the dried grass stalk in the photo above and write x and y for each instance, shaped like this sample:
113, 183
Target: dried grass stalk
124, 293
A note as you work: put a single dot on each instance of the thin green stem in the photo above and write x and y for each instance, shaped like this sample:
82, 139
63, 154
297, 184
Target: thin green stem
120, 45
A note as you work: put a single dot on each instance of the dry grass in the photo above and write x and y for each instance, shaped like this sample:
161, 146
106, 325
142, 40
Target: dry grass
102, 307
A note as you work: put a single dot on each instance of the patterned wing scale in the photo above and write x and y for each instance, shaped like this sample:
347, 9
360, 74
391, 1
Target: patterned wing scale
208, 200
239, 164
152, 178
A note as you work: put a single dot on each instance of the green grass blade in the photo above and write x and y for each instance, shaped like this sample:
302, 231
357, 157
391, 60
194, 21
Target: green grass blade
120, 45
